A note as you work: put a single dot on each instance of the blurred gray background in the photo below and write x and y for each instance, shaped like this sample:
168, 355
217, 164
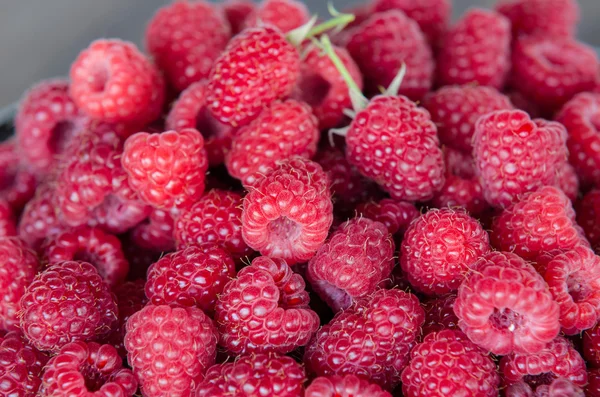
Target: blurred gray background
40, 38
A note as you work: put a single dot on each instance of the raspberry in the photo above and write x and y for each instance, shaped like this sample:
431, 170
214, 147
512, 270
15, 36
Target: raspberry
515, 155
379, 330
17, 182
593, 387
380, 46
439, 314
185, 38
440, 247
194, 276
283, 130
446, 363
560, 387
265, 309
156, 233
19, 266
568, 181
285, 15
542, 221
591, 346
257, 375
214, 219
7, 220
65, 303
322, 86
399, 150
130, 299
167, 169
455, 110
459, 163
574, 281
550, 71
170, 349
289, 211
90, 245
190, 111
588, 217
258, 67
236, 12
546, 18
39, 219
504, 306
395, 215
21, 366
459, 192
344, 386
521, 102
83, 369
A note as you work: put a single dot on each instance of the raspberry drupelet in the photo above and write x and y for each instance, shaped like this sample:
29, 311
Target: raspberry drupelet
21, 366
40, 219
285, 15
344, 386
156, 232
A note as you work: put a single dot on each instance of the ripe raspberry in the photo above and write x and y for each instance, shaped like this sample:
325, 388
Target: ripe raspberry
400, 151
167, 169
379, 330
358, 256
19, 265
7, 220
285, 15
588, 217
21, 366
560, 387
440, 247
258, 67
236, 12
65, 303
265, 309
256, 375
92, 245
455, 110
344, 386
283, 130
39, 219
185, 38
156, 233
504, 306
521, 102
322, 86
17, 182
439, 314
461, 164
591, 346
380, 46
130, 299
593, 386
550, 71
289, 211
460, 192
542, 221
567, 180
546, 18
395, 215
515, 155
170, 349
190, 111
82, 369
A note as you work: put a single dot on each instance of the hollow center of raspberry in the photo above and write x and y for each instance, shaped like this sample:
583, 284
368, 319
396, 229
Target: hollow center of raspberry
93, 378
534, 381
284, 231
206, 124
506, 319
98, 78
578, 288
61, 135
314, 89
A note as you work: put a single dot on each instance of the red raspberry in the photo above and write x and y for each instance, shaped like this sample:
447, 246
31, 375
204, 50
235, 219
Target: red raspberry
156, 233
17, 184
130, 299
91, 245
265, 309
560, 387
461, 164
256, 375
521, 102
379, 330
460, 192
395, 215
574, 281
19, 267
21, 366
504, 306
380, 46
81, 369
167, 169
439, 314
258, 67
455, 110
567, 180
185, 38
344, 386
394, 142
190, 111
236, 12
289, 211
550, 71
8, 225
546, 18
170, 349
283, 130
593, 387
515, 155
591, 346
588, 217
460, 368
39, 219
440, 247
322, 86
285, 15
542, 221
67, 302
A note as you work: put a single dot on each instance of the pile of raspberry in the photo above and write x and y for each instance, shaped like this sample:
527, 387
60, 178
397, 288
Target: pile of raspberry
258, 204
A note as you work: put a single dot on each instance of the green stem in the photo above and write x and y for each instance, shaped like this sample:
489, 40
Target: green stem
340, 21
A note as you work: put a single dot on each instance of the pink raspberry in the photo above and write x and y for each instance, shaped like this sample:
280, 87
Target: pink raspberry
285, 15
21, 366
567, 180
156, 233
588, 217
17, 182
185, 38
236, 12
395, 215
343, 386
167, 169
439, 314
130, 299
170, 349
546, 18
380, 330
515, 155
504, 306
8, 225
265, 309
459, 163
440, 247
283, 130
287, 214
39, 219
559, 387
65, 303
81, 369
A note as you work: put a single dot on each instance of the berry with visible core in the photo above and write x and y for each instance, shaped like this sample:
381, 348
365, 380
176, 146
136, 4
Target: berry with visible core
286, 15
395, 215
546, 18
21, 366
344, 386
